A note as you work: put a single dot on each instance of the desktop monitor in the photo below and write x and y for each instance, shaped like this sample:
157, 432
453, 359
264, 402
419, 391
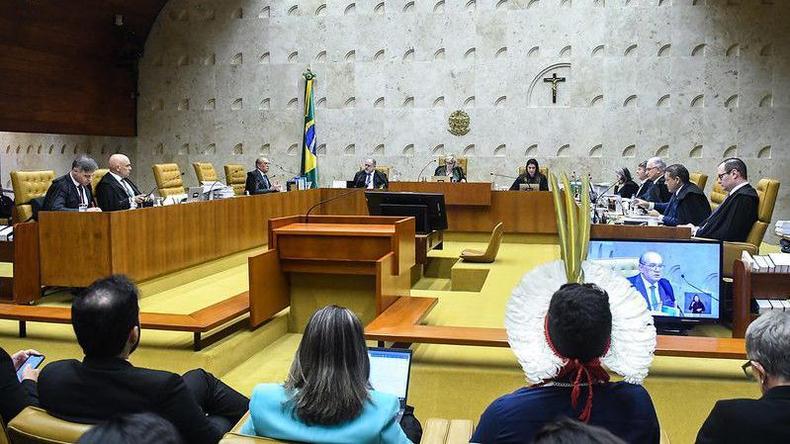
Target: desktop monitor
680, 280
427, 209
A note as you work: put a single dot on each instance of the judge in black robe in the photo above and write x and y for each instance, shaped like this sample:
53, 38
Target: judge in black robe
733, 219
644, 188
658, 192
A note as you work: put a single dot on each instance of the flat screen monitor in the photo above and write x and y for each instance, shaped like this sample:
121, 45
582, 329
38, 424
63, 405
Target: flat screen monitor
389, 371
427, 208
680, 280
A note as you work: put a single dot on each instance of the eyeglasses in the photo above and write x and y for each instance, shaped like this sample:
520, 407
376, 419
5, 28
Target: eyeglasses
653, 266
748, 370
723, 174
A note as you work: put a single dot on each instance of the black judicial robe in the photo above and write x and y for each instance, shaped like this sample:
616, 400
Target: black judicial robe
628, 189
644, 188
658, 192
733, 219
689, 205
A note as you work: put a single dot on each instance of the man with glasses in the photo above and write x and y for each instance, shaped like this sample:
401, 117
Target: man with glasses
658, 192
258, 181
656, 290
733, 219
764, 420
687, 205
369, 177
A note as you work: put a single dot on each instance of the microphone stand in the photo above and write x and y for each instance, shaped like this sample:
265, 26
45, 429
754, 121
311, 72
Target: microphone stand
307, 216
597, 198
423, 168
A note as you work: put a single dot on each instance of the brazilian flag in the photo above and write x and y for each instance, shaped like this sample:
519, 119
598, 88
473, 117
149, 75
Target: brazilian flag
309, 158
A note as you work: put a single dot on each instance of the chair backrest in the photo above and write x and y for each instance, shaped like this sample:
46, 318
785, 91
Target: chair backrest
698, 179
767, 192
236, 176
34, 425
717, 195
29, 185
97, 176
205, 172
543, 170
494, 242
462, 162
168, 179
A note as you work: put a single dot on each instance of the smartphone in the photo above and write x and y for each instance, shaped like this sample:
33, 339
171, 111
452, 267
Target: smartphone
32, 361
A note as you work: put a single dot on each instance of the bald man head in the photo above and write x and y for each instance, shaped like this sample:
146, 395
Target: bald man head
651, 265
120, 165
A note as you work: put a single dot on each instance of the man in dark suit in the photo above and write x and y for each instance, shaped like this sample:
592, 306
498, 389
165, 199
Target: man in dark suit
15, 395
687, 205
733, 219
369, 177
656, 290
764, 420
646, 183
658, 191
115, 191
106, 321
72, 192
258, 179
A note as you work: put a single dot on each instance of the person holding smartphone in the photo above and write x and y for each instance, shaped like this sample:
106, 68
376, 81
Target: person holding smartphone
15, 395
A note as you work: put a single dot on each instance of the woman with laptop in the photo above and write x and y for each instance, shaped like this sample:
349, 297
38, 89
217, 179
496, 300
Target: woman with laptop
532, 179
327, 396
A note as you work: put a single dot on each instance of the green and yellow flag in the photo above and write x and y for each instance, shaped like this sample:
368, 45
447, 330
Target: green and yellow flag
309, 157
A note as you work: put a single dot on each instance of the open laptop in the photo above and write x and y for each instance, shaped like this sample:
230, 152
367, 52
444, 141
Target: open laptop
389, 372
528, 186
194, 194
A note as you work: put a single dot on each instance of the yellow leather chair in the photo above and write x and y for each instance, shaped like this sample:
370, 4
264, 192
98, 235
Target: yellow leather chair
27, 186
205, 172
462, 162
33, 425
543, 170
236, 177
489, 255
717, 195
698, 179
168, 179
97, 176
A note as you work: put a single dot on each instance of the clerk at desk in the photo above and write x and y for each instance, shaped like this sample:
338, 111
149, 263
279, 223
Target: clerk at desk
72, 192
115, 191
258, 179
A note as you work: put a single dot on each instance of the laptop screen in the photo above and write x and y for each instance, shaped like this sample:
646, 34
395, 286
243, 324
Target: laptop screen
389, 370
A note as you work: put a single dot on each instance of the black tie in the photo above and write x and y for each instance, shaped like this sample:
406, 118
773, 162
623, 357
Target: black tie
266, 182
83, 200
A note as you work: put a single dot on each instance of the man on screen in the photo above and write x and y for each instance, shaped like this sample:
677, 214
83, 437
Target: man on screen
656, 290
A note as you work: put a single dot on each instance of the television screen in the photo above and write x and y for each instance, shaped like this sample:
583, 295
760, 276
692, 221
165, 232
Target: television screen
680, 280
427, 208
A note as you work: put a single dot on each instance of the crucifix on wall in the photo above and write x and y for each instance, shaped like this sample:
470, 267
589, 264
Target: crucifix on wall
554, 80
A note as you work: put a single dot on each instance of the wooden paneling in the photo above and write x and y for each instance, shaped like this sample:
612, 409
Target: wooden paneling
269, 290
463, 194
74, 247
638, 232
62, 67
520, 212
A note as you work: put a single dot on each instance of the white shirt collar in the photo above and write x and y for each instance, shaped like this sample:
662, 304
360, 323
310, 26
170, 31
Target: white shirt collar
76, 184
117, 177
648, 284
738, 187
681, 187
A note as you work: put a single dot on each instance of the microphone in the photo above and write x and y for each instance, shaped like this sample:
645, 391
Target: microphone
286, 171
211, 188
154, 189
423, 168
683, 276
680, 310
307, 216
493, 174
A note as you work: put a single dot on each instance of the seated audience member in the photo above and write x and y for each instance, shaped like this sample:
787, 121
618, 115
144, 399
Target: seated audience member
656, 289
106, 321
626, 187
136, 428
115, 191
72, 192
577, 334
733, 219
258, 179
568, 431
15, 395
688, 204
369, 177
327, 396
450, 169
765, 420
644, 179
532, 176
658, 191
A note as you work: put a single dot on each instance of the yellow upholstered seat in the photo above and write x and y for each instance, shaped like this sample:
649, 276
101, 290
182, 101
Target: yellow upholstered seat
168, 179
489, 255
27, 186
717, 195
34, 425
97, 176
698, 179
236, 177
462, 162
205, 172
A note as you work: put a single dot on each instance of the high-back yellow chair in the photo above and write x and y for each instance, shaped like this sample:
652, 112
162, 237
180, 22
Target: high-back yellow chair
34, 425
489, 255
97, 177
698, 179
543, 170
236, 177
717, 195
462, 162
27, 186
205, 172
168, 179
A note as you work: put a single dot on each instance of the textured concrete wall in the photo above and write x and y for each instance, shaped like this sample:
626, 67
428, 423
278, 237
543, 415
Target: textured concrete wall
691, 80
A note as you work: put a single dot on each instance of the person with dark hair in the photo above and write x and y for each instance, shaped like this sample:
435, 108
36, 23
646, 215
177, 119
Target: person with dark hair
136, 428
764, 420
72, 192
569, 431
106, 321
578, 332
532, 177
658, 191
626, 187
450, 169
16, 395
733, 219
688, 203
696, 306
369, 177
645, 181
258, 179
327, 396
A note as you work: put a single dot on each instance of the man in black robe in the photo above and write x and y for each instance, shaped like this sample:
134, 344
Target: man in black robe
687, 205
733, 219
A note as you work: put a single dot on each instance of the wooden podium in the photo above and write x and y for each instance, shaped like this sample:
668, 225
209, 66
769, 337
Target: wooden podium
362, 262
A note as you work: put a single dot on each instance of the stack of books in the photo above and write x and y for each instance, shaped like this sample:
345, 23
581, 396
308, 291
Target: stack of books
768, 263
